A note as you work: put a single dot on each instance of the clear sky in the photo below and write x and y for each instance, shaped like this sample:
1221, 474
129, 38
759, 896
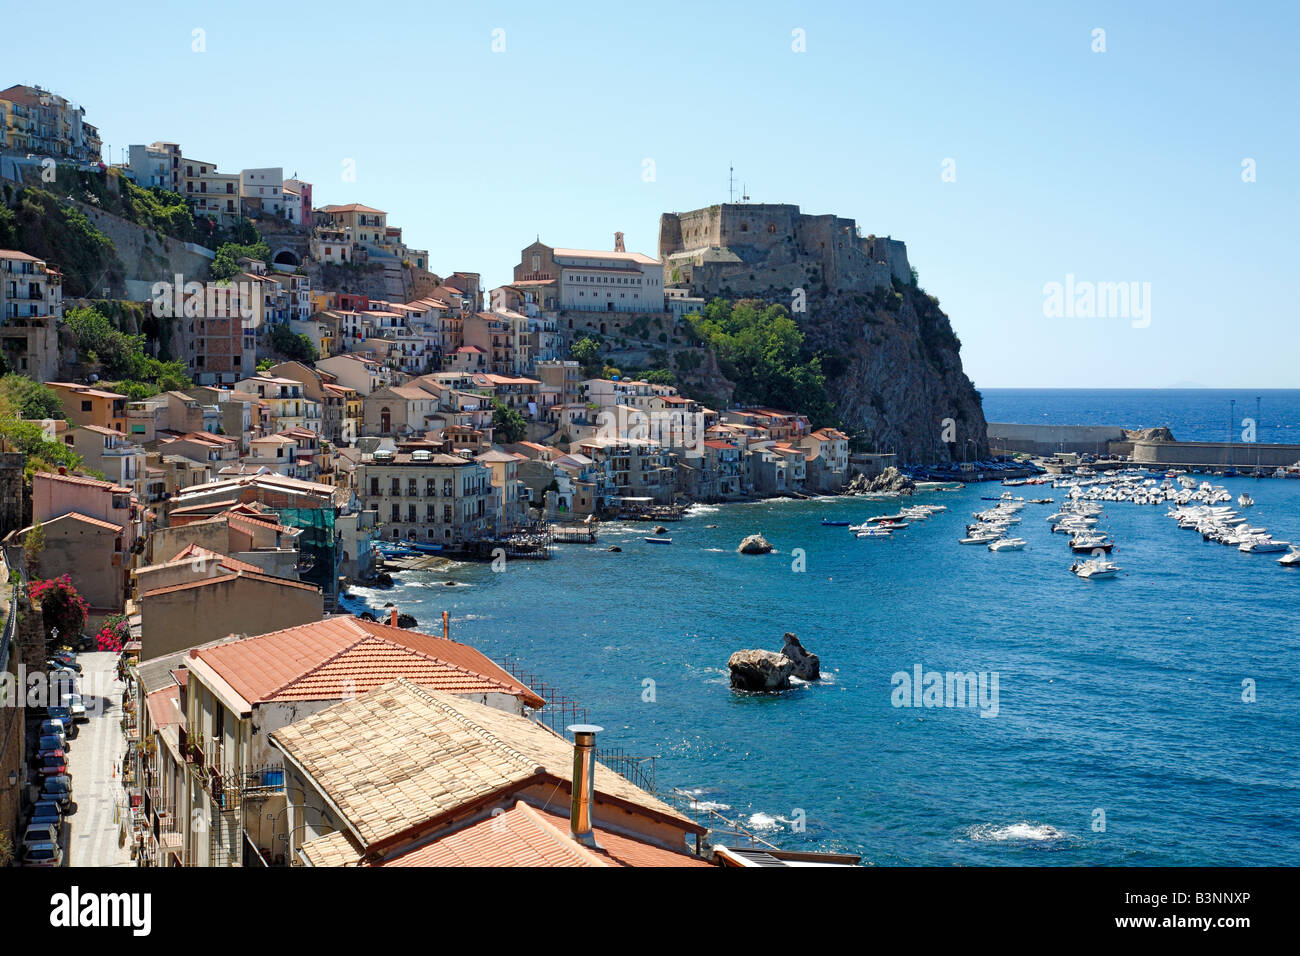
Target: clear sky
1115, 166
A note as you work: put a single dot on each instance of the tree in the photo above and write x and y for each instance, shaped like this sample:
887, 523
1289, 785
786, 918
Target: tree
99, 340
24, 398
61, 606
508, 426
586, 351
295, 347
33, 547
226, 263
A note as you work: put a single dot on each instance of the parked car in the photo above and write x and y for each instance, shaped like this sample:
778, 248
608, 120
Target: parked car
76, 707
42, 854
84, 642
53, 765
50, 743
58, 789
54, 728
47, 811
64, 715
67, 659
41, 833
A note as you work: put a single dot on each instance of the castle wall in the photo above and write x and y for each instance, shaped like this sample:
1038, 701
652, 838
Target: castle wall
751, 248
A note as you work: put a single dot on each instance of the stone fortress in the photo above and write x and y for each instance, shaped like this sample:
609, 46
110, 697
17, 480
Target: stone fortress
757, 248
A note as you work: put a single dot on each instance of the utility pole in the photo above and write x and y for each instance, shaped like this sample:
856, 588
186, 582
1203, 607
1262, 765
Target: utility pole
1232, 425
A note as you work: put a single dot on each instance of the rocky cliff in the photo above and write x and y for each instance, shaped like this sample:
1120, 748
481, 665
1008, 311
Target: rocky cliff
894, 372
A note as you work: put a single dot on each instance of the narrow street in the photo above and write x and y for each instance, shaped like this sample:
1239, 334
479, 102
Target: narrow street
92, 831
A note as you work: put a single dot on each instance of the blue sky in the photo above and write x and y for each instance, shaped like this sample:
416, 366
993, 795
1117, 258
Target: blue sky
1122, 166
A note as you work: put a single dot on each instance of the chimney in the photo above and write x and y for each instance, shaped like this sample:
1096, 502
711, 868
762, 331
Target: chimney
583, 785
392, 617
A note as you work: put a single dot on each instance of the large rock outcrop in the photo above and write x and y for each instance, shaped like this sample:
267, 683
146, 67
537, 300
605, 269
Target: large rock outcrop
806, 666
760, 670
890, 481
754, 544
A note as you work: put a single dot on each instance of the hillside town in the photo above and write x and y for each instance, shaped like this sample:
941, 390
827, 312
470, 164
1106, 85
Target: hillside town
321, 410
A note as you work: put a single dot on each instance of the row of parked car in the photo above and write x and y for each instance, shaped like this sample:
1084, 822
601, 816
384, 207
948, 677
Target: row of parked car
50, 736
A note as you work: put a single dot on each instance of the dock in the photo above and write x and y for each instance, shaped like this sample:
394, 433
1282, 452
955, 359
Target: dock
573, 533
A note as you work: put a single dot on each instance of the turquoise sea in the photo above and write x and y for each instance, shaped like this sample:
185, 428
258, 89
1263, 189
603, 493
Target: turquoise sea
1121, 734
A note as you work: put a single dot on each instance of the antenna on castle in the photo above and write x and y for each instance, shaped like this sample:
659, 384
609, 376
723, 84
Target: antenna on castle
731, 184
744, 192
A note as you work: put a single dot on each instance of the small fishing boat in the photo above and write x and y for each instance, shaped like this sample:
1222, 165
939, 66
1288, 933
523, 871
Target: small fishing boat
834, 524
1245, 500
978, 539
893, 525
659, 540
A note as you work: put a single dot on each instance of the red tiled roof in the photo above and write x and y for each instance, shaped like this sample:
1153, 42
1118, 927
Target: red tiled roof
345, 656
87, 519
525, 836
224, 560
162, 706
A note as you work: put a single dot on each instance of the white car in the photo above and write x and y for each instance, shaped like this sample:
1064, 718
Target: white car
41, 833
76, 706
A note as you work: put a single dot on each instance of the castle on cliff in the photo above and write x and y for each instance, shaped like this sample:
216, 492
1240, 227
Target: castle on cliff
757, 248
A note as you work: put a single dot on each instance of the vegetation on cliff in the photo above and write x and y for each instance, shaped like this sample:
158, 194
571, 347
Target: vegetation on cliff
121, 355
761, 348
43, 225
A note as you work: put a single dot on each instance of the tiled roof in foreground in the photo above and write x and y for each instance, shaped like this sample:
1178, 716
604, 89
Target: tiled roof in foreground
401, 756
520, 836
342, 657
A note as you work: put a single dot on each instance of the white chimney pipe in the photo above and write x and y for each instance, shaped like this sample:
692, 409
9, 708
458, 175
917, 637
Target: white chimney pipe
583, 785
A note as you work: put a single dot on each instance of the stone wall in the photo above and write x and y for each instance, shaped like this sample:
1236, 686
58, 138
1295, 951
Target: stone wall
1006, 437
773, 249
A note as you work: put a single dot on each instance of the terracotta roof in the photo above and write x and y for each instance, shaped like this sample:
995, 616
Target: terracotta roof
224, 560
87, 519
636, 257
222, 578
526, 836
402, 757
162, 706
334, 849
353, 207
345, 656
79, 480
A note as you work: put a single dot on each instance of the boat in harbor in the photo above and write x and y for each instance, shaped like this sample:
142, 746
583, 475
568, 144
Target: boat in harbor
1262, 545
1088, 543
1008, 544
977, 538
827, 523
1097, 568
876, 532
1291, 559
1245, 500
658, 540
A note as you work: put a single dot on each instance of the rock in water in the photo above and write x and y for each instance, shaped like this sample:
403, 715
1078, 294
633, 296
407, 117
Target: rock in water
890, 481
615, 549
754, 544
760, 670
660, 529
806, 666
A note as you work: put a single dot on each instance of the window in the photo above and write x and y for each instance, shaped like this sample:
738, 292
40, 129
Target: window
411, 490
85, 406
395, 487
397, 515
374, 487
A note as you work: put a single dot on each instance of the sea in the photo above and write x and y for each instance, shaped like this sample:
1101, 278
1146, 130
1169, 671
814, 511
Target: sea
1148, 720
1192, 414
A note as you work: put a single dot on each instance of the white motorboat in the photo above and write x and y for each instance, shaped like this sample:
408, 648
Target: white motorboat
875, 533
1008, 544
1096, 569
1245, 500
1263, 545
1291, 559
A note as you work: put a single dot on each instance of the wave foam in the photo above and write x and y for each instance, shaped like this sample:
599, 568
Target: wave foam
1016, 832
